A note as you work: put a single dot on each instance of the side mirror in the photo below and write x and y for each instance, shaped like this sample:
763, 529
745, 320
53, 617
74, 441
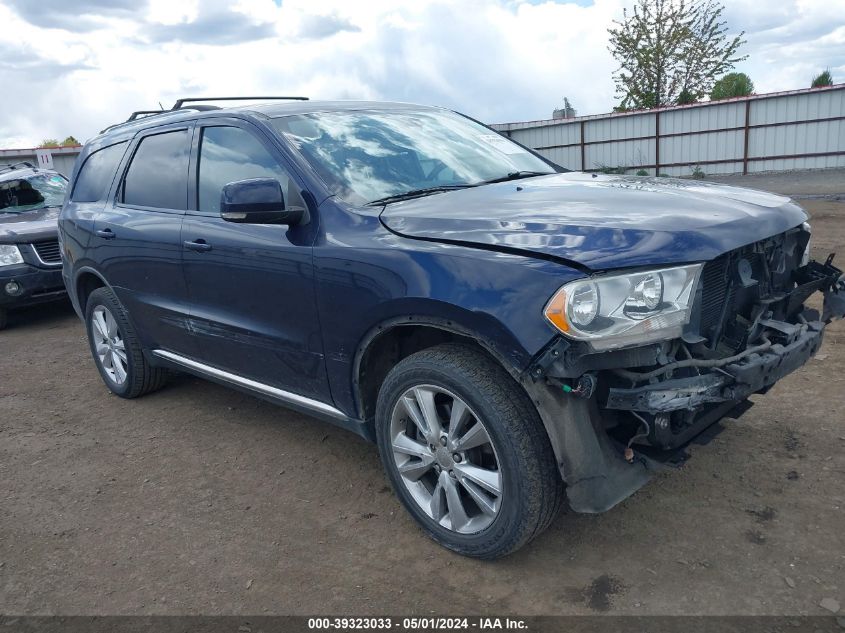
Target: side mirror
257, 201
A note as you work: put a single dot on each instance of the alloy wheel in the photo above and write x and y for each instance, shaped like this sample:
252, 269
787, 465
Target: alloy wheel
109, 344
446, 459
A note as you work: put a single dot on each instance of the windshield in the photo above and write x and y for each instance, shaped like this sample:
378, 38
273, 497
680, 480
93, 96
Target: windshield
33, 192
366, 155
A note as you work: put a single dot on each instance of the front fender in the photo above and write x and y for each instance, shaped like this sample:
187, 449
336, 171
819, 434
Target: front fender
489, 332
368, 278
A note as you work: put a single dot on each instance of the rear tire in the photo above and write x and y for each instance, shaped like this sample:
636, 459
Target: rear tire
458, 436
116, 348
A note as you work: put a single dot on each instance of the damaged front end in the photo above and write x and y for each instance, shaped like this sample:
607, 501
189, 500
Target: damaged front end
747, 326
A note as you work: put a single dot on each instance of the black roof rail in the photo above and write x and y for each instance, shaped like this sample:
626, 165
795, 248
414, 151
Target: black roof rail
180, 105
143, 114
180, 102
138, 113
14, 166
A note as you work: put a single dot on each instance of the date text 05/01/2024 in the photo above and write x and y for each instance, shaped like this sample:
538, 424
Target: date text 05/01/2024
417, 624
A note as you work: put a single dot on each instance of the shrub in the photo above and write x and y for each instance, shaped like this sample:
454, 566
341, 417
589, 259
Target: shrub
607, 169
732, 85
822, 79
686, 97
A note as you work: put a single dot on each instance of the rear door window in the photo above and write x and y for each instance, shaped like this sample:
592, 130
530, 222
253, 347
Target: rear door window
97, 172
158, 174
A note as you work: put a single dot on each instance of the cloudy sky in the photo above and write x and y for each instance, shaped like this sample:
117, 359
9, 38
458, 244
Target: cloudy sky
71, 67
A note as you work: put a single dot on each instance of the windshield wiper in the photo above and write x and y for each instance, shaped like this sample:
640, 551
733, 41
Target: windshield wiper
417, 193
516, 175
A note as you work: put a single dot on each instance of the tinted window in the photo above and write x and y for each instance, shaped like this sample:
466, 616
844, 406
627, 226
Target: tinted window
92, 183
228, 154
158, 174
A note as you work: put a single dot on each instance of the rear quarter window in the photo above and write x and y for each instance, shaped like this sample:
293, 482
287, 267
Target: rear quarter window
158, 174
97, 172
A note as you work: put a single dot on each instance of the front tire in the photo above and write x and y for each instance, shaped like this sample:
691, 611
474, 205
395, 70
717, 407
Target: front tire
116, 348
466, 451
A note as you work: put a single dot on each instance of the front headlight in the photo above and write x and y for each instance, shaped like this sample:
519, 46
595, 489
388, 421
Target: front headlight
10, 254
628, 309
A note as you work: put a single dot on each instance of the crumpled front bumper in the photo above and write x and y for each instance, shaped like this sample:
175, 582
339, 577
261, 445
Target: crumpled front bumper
591, 462
738, 380
733, 382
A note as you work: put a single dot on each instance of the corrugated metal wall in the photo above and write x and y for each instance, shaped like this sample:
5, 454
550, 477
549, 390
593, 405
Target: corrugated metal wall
802, 129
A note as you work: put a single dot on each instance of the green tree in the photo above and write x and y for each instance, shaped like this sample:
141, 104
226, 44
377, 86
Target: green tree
49, 142
686, 97
822, 79
70, 140
667, 49
732, 85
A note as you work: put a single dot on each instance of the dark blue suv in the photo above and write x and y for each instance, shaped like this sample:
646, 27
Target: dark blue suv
501, 328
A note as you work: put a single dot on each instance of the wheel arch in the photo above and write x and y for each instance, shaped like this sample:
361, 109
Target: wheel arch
86, 280
395, 338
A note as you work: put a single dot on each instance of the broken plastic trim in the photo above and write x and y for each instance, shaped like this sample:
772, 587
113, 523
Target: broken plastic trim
737, 380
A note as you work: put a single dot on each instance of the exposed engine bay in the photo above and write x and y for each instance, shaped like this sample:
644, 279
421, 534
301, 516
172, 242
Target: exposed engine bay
749, 328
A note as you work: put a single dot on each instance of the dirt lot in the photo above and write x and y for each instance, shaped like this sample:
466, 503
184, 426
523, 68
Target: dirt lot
198, 499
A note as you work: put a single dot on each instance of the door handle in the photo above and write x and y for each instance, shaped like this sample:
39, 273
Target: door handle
106, 234
201, 246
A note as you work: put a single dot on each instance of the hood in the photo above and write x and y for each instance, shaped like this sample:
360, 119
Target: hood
599, 222
29, 226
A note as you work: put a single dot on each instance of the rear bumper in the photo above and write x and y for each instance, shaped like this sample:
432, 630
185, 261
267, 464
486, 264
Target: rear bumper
35, 285
74, 300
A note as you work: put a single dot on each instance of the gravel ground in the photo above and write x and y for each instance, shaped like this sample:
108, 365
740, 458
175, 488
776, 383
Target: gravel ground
201, 500
819, 183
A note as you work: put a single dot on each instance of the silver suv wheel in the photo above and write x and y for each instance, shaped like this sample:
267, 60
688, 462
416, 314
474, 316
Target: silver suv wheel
108, 344
446, 459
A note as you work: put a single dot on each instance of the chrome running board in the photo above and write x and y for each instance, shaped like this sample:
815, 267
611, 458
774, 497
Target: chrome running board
252, 385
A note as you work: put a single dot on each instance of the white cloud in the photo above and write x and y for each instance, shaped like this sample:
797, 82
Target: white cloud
80, 66
790, 42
